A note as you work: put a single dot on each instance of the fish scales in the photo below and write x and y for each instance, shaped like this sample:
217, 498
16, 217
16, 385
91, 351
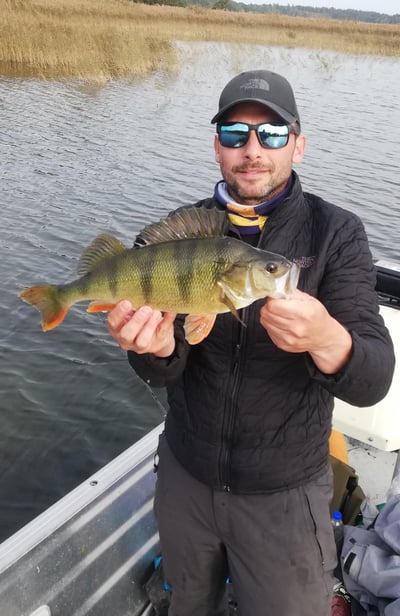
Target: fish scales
170, 276
113, 276
147, 274
177, 275
191, 262
184, 283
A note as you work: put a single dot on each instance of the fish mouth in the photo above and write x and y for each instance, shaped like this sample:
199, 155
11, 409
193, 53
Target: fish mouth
287, 284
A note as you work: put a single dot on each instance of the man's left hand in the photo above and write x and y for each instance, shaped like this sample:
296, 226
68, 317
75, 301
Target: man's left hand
303, 324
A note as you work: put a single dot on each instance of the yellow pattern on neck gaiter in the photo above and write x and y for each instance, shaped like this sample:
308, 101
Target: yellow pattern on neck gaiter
240, 220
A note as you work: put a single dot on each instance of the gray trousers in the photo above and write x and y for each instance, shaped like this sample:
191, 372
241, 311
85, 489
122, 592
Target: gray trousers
277, 548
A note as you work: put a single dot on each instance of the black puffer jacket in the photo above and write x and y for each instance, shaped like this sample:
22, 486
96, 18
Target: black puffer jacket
248, 417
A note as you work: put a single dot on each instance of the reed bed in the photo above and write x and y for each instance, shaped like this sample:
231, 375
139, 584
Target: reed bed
108, 39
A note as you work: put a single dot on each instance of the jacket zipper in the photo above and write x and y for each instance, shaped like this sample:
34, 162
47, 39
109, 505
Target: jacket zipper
230, 410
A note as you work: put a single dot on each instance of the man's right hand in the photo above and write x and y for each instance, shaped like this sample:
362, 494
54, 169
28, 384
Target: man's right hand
144, 330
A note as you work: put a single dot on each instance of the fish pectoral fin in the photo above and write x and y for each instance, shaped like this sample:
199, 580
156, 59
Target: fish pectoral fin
198, 326
97, 306
227, 298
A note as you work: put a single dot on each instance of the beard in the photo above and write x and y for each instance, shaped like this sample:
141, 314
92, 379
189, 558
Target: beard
258, 191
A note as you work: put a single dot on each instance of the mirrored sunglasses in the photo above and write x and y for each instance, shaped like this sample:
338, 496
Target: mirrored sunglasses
236, 134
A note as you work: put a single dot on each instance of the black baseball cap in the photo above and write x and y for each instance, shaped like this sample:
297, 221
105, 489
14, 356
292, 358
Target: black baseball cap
265, 87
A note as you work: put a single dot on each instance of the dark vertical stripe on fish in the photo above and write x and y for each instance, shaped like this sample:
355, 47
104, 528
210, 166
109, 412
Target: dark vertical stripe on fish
182, 278
146, 273
112, 278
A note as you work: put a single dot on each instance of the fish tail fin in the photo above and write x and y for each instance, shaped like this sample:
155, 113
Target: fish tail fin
46, 298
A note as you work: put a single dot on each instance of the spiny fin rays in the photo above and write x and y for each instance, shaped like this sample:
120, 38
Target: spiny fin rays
103, 247
187, 223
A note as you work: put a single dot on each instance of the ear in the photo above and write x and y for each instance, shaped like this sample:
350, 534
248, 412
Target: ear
300, 146
216, 149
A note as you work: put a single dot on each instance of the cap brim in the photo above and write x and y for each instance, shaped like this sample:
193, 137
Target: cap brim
282, 113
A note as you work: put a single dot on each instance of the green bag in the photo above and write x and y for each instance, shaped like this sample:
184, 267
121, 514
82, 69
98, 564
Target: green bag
347, 494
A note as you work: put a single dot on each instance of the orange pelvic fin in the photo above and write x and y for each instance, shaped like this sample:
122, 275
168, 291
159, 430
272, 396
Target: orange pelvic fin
198, 326
97, 306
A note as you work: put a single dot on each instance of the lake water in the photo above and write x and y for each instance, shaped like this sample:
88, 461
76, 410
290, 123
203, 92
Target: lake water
77, 160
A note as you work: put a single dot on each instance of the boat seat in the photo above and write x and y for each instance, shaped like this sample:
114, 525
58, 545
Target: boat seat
377, 425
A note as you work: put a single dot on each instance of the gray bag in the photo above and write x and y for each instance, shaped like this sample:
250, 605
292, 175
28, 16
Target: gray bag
370, 562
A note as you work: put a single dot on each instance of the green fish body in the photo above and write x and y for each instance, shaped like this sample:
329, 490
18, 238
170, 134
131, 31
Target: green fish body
183, 264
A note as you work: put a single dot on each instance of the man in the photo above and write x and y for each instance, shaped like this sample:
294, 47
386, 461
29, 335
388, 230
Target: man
244, 483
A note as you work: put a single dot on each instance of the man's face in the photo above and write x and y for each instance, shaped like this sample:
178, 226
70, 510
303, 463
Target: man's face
253, 173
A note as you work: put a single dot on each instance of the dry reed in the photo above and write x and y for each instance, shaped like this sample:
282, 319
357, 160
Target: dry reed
106, 39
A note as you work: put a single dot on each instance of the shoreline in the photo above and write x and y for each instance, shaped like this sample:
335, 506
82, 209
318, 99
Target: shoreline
101, 40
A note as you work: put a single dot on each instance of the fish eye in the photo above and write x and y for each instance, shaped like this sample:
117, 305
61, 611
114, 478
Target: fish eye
271, 268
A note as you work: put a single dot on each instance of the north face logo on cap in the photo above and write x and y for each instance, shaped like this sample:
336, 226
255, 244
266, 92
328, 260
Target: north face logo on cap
256, 84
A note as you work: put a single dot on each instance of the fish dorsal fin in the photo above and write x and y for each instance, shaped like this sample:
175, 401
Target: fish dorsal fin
103, 247
191, 222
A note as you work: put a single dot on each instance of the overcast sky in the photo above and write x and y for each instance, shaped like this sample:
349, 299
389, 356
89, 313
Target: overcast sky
383, 6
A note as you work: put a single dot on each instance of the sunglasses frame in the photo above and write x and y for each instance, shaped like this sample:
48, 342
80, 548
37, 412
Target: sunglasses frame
292, 129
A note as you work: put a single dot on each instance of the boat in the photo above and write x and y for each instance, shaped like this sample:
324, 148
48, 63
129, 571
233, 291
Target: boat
93, 552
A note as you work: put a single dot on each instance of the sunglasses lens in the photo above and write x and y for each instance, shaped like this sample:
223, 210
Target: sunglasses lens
233, 135
273, 136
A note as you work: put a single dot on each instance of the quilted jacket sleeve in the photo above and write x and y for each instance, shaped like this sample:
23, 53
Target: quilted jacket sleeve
347, 289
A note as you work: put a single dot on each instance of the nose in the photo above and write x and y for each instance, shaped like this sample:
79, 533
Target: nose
253, 148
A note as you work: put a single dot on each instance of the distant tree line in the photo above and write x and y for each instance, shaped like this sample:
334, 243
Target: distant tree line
310, 11
289, 9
